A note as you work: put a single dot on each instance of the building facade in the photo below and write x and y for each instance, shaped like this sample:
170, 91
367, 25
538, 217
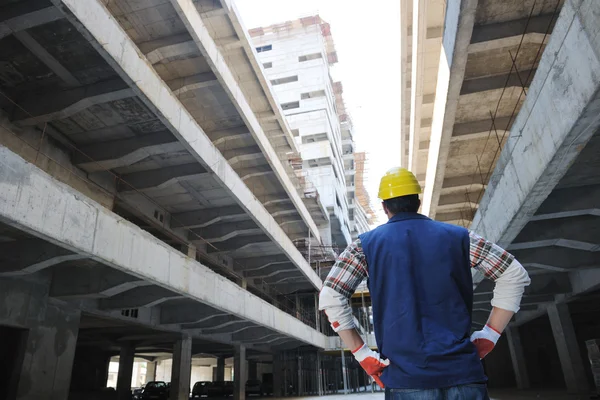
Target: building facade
296, 57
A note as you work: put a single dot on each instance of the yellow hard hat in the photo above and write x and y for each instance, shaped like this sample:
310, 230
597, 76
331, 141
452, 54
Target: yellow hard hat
398, 182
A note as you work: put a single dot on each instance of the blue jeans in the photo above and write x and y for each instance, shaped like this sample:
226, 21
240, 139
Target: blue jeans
474, 391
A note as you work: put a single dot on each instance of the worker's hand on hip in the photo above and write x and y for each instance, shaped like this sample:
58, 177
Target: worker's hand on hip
371, 362
485, 340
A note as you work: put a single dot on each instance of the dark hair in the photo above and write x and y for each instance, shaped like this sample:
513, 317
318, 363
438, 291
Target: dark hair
410, 203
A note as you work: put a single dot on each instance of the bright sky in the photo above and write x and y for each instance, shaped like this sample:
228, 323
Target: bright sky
367, 40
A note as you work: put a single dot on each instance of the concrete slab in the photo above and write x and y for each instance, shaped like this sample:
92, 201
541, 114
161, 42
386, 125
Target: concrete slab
107, 36
33, 201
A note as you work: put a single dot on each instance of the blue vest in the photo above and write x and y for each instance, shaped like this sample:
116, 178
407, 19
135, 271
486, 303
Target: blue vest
422, 297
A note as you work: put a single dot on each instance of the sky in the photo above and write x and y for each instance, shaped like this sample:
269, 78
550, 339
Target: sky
367, 40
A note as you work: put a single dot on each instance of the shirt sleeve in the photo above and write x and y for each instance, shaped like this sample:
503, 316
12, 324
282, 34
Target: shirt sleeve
500, 266
487, 257
349, 270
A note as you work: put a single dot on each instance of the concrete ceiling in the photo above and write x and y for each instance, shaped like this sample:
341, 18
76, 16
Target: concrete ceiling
507, 42
66, 88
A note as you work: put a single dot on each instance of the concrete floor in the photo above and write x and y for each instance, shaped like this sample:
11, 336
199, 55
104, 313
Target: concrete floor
495, 395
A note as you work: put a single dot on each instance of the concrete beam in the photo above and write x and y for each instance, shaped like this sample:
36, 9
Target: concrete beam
500, 124
162, 49
259, 262
287, 288
206, 217
59, 105
536, 24
97, 25
123, 152
419, 33
269, 272
229, 138
180, 86
548, 142
209, 49
146, 296
228, 43
33, 201
256, 334
96, 282
239, 243
223, 232
161, 178
582, 200
509, 42
495, 82
561, 257
187, 313
590, 212
32, 255
45, 57
238, 156
219, 322
459, 22
23, 15
584, 229
451, 207
566, 243
217, 12
254, 172
405, 92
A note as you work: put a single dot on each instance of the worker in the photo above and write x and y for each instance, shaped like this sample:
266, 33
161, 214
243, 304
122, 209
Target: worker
421, 287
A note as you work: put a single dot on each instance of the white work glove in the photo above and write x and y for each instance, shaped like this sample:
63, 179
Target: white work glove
485, 340
371, 362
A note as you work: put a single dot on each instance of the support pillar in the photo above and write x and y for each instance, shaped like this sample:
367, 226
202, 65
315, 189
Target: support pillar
317, 314
344, 372
277, 376
239, 373
300, 388
568, 350
252, 370
48, 355
319, 375
182, 369
151, 371
124, 376
518, 357
220, 370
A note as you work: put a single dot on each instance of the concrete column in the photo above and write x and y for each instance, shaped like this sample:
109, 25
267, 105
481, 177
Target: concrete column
300, 388
319, 375
344, 372
317, 314
277, 376
568, 350
297, 305
220, 370
182, 369
239, 373
49, 351
124, 376
518, 357
191, 251
253, 370
150, 371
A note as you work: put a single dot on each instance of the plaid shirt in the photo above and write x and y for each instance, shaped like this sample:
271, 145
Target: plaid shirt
351, 267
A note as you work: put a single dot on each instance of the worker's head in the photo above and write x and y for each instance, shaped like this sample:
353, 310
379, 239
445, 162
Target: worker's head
399, 190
